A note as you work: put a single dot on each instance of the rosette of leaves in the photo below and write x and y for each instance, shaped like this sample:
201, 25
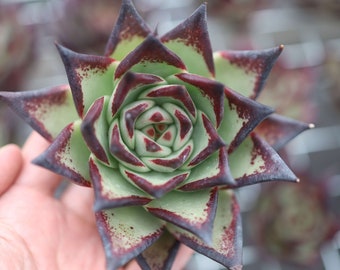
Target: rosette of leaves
157, 129
294, 221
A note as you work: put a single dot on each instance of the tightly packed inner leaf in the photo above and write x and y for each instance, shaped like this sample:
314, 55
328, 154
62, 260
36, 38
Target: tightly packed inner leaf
161, 139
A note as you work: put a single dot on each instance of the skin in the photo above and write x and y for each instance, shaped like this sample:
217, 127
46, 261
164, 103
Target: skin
39, 231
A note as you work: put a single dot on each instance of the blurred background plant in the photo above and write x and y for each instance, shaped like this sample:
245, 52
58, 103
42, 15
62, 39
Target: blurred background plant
305, 85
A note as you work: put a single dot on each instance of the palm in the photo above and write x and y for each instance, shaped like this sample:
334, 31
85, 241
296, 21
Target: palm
55, 233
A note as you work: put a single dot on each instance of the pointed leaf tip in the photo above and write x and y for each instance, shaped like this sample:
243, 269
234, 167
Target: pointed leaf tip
190, 40
46, 110
151, 57
245, 71
85, 73
130, 30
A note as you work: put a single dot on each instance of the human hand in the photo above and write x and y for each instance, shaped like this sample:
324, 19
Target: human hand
39, 231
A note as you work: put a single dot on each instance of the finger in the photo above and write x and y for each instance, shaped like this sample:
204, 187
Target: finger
35, 176
10, 165
183, 256
80, 200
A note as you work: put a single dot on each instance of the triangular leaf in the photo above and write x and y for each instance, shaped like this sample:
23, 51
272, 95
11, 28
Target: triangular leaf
245, 71
255, 161
151, 57
226, 245
90, 77
241, 116
68, 155
278, 130
128, 88
95, 128
126, 232
155, 183
47, 110
121, 152
190, 41
193, 211
202, 89
111, 188
176, 94
211, 172
130, 30
206, 140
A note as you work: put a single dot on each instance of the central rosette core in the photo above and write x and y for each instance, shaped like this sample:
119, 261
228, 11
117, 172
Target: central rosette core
150, 136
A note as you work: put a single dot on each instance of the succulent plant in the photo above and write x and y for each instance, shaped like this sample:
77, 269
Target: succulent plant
157, 129
305, 210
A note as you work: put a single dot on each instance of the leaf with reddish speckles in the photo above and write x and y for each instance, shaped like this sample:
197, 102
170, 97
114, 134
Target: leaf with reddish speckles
194, 211
111, 189
241, 117
47, 110
190, 41
128, 88
68, 155
245, 71
95, 128
278, 130
206, 140
255, 161
126, 232
208, 95
155, 183
129, 31
151, 57
213, 171
161, 255
90, 77
226, 247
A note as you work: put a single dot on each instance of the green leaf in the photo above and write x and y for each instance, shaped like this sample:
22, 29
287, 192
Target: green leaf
47, 110
209, 173
161, 255
206, 140
127, 90
155, 183
208, 95
171, 162
68, 155
255, 161
129, 31
193, 211
241, 116
245, 71
226, 247
190, 41
126, 232
95, 128
151, 57
90, 77
111, 189
121, 152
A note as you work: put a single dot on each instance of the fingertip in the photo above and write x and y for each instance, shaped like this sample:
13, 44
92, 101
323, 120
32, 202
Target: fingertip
11, 162
34, 145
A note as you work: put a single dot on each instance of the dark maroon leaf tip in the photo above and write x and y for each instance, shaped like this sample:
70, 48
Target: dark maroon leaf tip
150, 51
129, 24
194, 32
